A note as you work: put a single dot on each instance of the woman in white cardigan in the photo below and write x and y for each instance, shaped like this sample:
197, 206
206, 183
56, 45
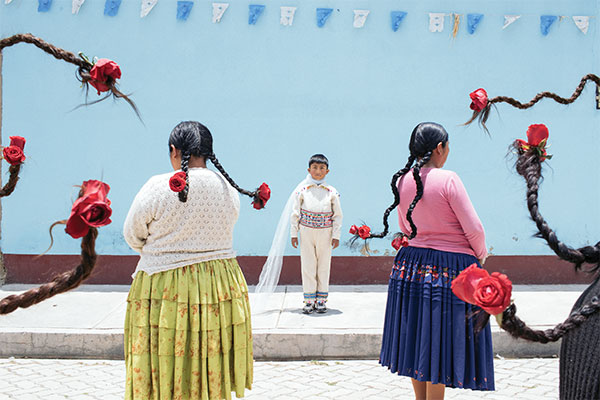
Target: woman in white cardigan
187, 329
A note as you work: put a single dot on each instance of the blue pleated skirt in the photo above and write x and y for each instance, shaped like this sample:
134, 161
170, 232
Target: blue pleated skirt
428, 331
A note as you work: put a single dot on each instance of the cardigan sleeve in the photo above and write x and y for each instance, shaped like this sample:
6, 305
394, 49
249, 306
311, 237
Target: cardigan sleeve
466, 215
141, 213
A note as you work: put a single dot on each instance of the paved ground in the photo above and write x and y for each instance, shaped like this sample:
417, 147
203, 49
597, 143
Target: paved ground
31, 379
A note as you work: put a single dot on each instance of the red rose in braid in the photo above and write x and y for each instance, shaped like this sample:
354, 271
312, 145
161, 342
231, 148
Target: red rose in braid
13, 153
92, 209
103, 73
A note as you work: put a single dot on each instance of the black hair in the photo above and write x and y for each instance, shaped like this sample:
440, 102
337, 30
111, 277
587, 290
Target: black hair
318, 159
194, 139
529, 166
423, 140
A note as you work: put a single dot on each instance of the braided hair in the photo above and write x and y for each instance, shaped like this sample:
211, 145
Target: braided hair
83, 64
424, 139
61, 283
529, 166
194, 139
483, 115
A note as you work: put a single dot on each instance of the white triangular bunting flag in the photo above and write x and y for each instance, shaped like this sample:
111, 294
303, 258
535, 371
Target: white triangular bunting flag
509, 19
147, 6
7, 1
360, 17
436, 22
582, 22
75, 6
218, 11
287, 15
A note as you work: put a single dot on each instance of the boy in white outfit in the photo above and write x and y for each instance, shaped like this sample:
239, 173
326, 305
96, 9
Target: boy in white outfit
317, 217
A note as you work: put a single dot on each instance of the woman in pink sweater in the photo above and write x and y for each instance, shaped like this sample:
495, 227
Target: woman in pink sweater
428, 332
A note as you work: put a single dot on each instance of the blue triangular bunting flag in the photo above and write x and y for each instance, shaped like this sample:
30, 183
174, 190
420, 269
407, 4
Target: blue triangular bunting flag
397, 17
254, 11
44, 5
183, 9
546, 22
473, 21
322, 16
111, 7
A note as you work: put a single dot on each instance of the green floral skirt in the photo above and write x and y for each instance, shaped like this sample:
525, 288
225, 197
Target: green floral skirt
188, 333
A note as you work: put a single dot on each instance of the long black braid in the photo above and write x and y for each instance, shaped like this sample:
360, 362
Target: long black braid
419, 183
424, 139
394, 185
529, 166
185, 159
218, 165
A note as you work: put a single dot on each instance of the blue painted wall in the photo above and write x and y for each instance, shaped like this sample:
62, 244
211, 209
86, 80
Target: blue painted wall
273, 95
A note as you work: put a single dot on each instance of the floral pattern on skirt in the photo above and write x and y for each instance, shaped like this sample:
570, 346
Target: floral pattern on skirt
188, 333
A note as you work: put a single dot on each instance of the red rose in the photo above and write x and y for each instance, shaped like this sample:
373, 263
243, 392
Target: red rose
404, 241
177, 182
463, 286
263, 195
91, 209
397, 242
364, 232
103, 73
13, 155
354, 229
537, 133
479, 99
493, 293
490, 292
18, 141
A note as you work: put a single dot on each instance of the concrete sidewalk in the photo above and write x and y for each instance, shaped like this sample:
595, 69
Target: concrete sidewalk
87, 323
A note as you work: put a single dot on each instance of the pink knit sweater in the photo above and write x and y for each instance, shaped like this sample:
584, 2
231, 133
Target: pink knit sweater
445, 217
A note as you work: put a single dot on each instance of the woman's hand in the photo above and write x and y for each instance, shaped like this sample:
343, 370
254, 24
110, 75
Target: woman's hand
335, 243
295, 242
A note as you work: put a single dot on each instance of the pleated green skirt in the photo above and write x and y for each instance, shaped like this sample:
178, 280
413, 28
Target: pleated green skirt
188, 333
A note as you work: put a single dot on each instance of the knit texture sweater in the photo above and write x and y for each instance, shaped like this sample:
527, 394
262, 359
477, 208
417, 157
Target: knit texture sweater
169, 233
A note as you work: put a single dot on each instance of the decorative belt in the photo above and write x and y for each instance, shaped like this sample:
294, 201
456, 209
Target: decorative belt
316, 219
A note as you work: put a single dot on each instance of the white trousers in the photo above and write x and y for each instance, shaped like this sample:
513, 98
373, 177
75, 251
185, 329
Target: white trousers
315, 256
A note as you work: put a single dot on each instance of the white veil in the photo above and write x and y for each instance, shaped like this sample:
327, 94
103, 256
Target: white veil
271, 270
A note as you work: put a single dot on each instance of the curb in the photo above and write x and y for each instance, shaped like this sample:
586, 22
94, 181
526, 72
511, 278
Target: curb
268, 345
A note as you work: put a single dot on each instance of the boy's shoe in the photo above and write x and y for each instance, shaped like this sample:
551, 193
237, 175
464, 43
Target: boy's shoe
308, 308
320, 307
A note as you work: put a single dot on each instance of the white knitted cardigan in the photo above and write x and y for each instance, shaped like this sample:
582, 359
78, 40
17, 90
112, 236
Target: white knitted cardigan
169, 233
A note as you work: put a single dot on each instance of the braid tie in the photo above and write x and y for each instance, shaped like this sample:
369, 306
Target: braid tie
529, 166
218, 165
419, 183
518, 329
61, 283
9, 187
394, 185
185, 159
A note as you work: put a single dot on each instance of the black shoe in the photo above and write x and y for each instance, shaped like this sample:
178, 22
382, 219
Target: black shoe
308, 308
320, 307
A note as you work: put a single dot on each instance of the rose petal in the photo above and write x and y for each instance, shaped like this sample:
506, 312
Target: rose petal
536, 133
463, 286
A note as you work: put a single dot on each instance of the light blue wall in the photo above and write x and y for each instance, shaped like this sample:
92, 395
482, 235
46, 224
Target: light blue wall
273, 95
